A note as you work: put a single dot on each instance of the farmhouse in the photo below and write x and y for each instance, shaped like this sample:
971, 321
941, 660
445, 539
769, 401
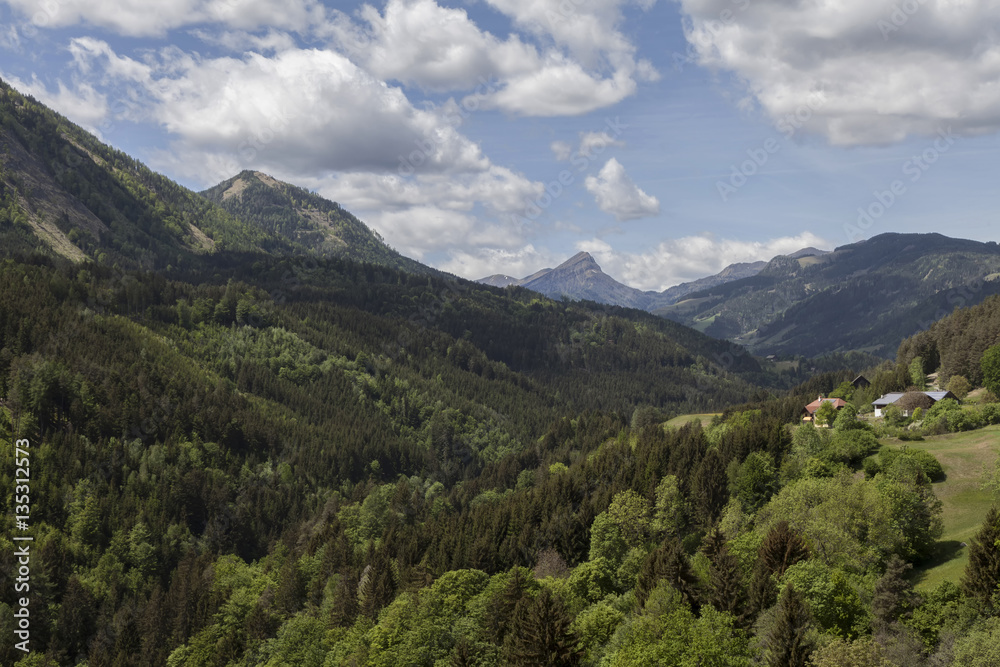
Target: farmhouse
909, 401
809, 412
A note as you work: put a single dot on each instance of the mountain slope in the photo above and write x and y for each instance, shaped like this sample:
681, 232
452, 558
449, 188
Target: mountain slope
63, 192
865, 296
308, 222
580, 277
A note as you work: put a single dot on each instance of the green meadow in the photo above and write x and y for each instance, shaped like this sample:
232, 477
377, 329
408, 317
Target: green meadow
963, 457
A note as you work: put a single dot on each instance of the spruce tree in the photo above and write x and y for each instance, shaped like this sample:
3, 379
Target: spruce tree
893, 598
710, 488
787, 642
781, 549
726, 590
542, 635
668, 562
982, 574
500, 615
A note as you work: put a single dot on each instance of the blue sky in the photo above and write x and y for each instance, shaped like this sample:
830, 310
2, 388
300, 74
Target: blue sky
667, 138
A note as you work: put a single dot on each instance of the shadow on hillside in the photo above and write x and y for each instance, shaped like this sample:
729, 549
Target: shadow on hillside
944, 551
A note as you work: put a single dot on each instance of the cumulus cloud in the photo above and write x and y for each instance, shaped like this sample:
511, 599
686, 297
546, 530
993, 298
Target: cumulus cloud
482, 262
138, 18
615, 193
309, 110
858, 72
681, 260
313, 117
419, 42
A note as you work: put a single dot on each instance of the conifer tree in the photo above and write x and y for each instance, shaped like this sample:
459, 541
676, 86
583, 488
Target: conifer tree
500, 615
668, 562
781, 549
710, 488
726, 590
982, 574
787, 642
542, 635
893, 598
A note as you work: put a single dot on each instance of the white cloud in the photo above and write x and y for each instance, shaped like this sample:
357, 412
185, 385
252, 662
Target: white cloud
240, 40
854, 71
308, 110
431, 212
419, 42
314, 118
589, 145
481, 262
561, 149
591, 141
137, 18
681, 260
615, 193
82, 104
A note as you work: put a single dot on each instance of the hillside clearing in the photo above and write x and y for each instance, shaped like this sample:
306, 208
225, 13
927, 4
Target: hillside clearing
962, 455
705, 419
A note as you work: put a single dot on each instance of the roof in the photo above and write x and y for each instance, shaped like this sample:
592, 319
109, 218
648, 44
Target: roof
814, 406
889, 399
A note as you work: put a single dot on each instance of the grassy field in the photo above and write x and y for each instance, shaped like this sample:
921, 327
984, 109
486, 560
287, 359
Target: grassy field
705, 419
962, 455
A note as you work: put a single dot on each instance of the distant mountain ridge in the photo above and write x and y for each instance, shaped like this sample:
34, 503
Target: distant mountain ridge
866, 296
581, 277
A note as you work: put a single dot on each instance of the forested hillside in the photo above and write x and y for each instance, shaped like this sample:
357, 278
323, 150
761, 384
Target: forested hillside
954, 345
278, 461
309, 222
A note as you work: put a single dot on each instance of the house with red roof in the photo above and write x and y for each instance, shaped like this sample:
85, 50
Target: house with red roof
809, 412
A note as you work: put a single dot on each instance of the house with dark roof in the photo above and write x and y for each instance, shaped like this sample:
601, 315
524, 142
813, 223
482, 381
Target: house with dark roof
860, 382
881, 403
809, 412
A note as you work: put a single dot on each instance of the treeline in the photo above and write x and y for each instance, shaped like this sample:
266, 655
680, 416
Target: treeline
955, 345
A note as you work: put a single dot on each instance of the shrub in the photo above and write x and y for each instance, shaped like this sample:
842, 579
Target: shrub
930, 465
991, 413
959, 386
964, 420
851, 446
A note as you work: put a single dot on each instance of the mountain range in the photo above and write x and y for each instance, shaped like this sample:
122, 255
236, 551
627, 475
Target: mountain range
866, 296
65, 194
580, 277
